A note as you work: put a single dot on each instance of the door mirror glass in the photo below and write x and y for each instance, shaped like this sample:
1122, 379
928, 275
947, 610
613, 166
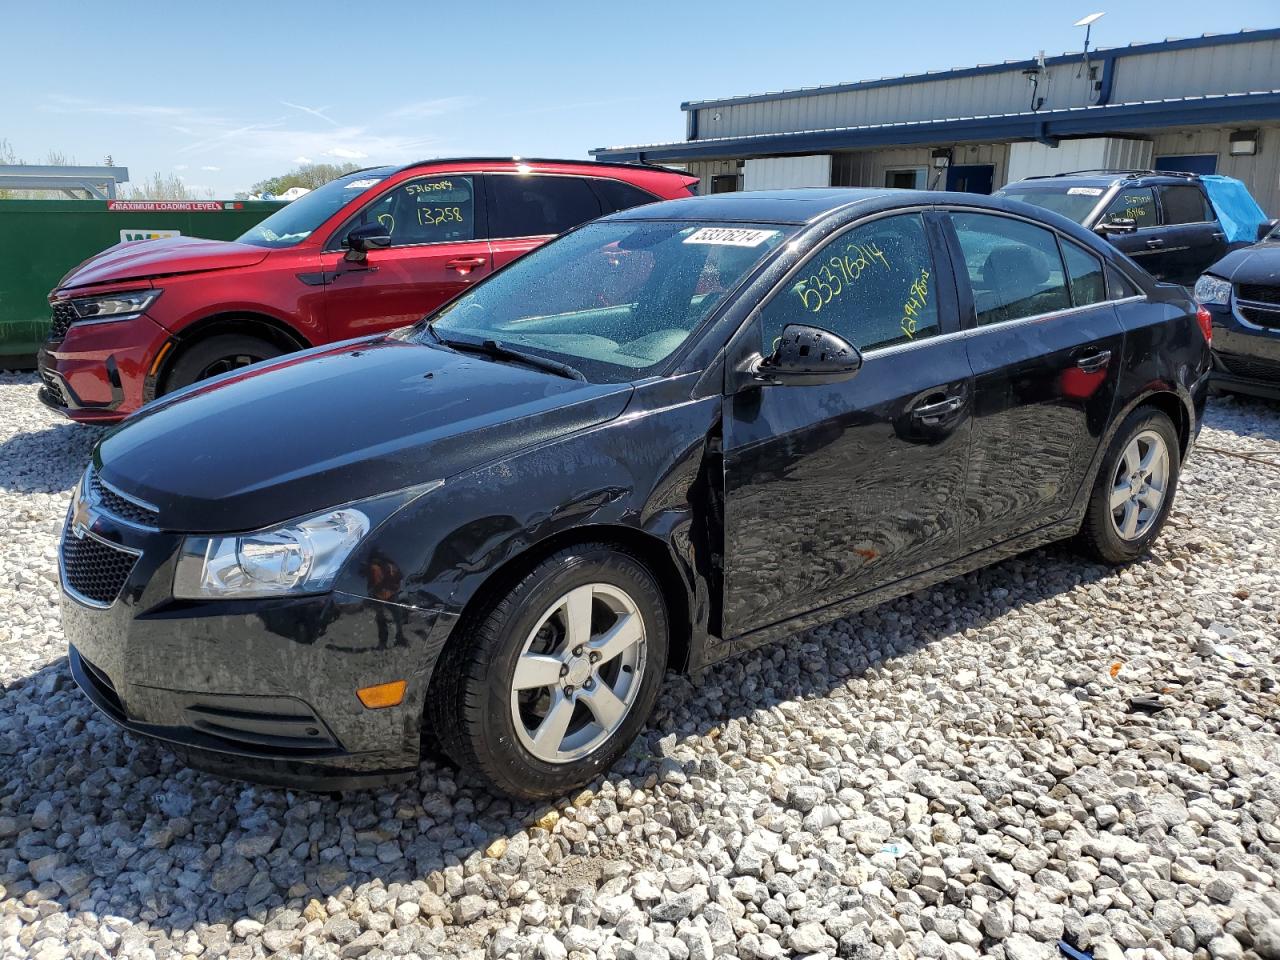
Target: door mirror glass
371, 236
809, 355
1119, 225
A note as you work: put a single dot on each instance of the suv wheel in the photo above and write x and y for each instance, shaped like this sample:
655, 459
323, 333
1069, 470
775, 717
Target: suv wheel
553, 680
1134, 491
218, 354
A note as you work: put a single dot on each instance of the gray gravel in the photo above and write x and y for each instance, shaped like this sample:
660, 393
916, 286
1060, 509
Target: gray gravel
961, 773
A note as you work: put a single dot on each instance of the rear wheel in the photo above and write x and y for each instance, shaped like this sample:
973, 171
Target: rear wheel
217, 354
555, 678
1134, 491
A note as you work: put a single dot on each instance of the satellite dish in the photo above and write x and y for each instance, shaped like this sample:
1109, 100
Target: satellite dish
1085, 21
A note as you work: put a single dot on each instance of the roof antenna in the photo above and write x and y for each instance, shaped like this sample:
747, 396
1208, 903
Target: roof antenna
1087, 23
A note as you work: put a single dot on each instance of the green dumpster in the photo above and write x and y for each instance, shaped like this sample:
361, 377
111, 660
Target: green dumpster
40, 240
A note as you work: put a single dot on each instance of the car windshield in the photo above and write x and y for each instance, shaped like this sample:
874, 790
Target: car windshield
1075, 203
612, 299
294, 223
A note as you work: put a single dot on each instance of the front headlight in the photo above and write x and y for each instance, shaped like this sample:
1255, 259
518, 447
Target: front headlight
1211, 289
299, 557
114, 306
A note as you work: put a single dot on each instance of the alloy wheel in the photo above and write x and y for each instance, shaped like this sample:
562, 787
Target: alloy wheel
1139, 486
226, 365
579, 673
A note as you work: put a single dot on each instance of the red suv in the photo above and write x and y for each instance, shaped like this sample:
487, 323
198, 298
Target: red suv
370, 251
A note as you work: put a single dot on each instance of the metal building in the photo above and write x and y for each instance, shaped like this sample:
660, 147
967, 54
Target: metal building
1206, 104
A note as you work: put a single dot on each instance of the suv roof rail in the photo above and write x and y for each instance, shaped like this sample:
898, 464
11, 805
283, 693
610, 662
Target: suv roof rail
624, 164
1128, 174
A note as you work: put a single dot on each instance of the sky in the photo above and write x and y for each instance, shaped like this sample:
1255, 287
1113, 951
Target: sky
225, 94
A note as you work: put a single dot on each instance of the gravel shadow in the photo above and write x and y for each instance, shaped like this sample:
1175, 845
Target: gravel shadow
100, 821
46, 461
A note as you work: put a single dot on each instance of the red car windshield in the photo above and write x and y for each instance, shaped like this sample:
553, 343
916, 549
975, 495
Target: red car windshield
292, 224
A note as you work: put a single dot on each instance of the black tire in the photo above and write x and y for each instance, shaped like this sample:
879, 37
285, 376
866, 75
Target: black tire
217, 354
470, 703
1099, 537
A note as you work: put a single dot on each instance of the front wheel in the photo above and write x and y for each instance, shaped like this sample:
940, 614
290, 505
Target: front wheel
550, 683
1134, 491
215, 355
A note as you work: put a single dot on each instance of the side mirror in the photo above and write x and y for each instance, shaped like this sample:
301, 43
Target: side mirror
1265, 228
371, 236
1119, 225
809, 355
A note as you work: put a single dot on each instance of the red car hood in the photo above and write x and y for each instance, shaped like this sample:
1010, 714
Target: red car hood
159, 258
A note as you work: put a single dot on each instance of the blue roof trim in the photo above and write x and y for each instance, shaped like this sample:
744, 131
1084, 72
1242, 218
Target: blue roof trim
1244, 36
1119, 118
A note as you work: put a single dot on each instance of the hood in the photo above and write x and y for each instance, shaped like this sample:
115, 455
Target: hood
336, 424
163, 257
1259, 263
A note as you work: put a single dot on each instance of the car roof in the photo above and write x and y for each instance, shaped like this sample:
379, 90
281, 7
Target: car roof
545, 161
1106, 178
797, 206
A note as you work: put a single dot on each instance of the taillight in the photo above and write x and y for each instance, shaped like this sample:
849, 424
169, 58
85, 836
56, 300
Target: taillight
1205, 319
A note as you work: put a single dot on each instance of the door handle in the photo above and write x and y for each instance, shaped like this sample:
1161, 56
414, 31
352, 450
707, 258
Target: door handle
465, 265
1093, 362
932, 412
1154, 244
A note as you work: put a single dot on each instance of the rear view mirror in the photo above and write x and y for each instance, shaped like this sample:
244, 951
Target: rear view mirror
371, 236
1118, 225
809, 355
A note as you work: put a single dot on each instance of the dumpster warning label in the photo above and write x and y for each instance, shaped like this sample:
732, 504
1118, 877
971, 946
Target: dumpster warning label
178, 206
133, 236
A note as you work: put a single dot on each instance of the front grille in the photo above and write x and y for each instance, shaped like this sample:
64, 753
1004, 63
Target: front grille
103, 687
1260, 316
1250, 367
117, 505
63, 316
94, 570
1259, 292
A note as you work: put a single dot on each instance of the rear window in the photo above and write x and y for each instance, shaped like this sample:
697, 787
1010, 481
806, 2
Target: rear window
1184, 204
616, 195
521, 205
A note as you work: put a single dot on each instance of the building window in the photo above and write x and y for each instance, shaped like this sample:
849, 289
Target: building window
724, 183
906, 178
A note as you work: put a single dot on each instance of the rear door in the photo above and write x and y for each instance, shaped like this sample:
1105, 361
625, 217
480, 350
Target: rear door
832, 490
1194, 239
527, 210
438, 248
1147, 243
1045, 347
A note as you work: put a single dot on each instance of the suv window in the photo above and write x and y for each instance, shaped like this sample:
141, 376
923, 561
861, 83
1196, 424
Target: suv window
874, 285
534, 206
616, 195
1085, 272
1184, 204
1132, 203
1014, 267
438, 209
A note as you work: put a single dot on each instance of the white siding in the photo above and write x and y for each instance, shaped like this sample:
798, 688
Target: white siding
1093, 153
1231, 68
782, 172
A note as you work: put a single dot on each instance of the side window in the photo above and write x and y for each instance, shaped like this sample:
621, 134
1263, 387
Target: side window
616, 195
1014, 267
874, 285
533, 206
424, 210
1119, 286
1084, 270
1133, 203
1184, 204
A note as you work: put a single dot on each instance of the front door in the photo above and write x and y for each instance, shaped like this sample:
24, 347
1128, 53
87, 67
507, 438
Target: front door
831, 490
1045, 349
438, 248
971, 177
1146, 244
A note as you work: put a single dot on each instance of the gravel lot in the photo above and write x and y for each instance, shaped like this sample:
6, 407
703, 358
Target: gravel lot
960, 773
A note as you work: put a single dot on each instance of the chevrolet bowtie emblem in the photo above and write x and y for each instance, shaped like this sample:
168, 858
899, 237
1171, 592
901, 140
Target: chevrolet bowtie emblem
81, 517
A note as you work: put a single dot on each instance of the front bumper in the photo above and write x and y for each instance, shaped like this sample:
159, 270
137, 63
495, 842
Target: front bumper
97, 372
260, 690
1246, 355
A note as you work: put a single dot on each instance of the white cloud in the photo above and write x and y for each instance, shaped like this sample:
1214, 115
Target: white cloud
346, 153
311, 111
180, 166
301, 159
213, 169
428, 108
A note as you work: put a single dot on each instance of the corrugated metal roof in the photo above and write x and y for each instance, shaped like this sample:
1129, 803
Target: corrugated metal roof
1173, 43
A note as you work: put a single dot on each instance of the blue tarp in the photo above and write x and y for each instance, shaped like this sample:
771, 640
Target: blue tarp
1238, 212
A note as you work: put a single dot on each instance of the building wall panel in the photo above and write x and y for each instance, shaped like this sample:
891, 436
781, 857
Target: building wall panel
1237, 68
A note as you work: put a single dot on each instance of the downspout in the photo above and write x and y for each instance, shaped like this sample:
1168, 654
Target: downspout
1108, 80
691, 123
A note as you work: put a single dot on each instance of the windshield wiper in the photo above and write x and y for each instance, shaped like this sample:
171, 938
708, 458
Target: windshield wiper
492, 348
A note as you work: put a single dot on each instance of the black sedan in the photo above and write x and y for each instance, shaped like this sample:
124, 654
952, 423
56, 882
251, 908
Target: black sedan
670, 436
1242, 292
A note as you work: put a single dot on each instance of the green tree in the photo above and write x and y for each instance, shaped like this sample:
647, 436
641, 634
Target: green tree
309, 175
